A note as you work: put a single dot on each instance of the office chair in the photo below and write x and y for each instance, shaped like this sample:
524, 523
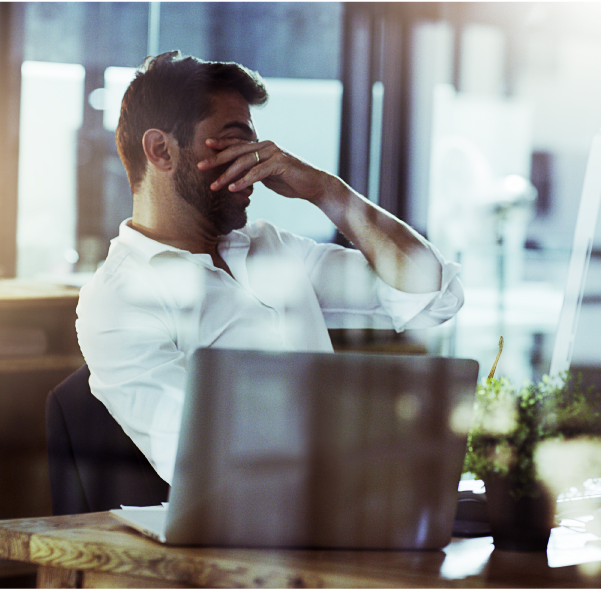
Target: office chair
93, 464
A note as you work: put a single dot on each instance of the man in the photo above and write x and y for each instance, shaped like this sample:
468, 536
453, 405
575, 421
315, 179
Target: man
187, 271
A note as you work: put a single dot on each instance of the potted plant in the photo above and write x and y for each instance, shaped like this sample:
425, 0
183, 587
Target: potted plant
511, 425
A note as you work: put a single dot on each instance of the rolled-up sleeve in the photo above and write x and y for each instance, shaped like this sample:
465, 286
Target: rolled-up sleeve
424, 310
351, 295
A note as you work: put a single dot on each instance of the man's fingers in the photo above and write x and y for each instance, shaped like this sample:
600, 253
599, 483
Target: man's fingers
222, 143
239, 167
252, 162
244, 158
256, 174
229, 150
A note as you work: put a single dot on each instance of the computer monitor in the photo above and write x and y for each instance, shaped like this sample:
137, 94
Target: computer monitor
584, 235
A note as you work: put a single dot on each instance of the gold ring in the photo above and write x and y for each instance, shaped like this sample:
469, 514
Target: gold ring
257, 157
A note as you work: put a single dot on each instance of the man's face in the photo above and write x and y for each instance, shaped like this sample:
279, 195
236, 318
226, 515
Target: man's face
230, 119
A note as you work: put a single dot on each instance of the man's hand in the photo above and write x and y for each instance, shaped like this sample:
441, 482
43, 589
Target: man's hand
278, 170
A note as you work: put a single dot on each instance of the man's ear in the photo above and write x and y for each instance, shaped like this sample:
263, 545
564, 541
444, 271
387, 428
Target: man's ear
158, 147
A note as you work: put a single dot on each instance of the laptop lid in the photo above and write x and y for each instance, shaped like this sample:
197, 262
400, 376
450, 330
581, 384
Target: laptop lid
282, 449
584, 235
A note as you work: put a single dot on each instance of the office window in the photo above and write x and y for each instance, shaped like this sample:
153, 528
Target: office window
51, 115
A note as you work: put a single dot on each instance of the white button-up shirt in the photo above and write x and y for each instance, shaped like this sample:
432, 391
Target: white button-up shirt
151, 305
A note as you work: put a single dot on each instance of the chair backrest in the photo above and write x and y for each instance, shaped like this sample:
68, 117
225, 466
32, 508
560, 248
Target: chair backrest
93, 464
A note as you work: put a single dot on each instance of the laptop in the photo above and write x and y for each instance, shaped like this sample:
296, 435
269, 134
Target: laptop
316, 450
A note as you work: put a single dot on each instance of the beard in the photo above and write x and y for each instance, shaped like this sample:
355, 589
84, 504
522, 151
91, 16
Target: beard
220, 207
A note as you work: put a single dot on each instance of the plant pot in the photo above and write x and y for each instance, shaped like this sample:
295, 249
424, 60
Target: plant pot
519, 525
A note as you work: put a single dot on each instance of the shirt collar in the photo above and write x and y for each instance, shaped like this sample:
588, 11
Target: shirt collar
150, 248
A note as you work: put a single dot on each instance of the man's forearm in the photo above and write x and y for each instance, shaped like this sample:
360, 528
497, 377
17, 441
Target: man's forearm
399, 255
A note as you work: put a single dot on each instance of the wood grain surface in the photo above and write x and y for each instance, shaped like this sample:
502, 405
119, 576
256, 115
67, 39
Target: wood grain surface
52, 577
95, 550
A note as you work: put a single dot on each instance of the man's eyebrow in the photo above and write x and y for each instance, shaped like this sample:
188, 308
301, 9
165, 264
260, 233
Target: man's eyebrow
246, 129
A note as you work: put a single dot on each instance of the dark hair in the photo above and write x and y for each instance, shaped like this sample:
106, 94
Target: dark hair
173, 93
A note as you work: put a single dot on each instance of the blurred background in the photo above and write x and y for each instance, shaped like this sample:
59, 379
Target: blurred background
471, 121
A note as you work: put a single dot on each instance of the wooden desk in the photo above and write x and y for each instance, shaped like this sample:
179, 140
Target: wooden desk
95, 550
